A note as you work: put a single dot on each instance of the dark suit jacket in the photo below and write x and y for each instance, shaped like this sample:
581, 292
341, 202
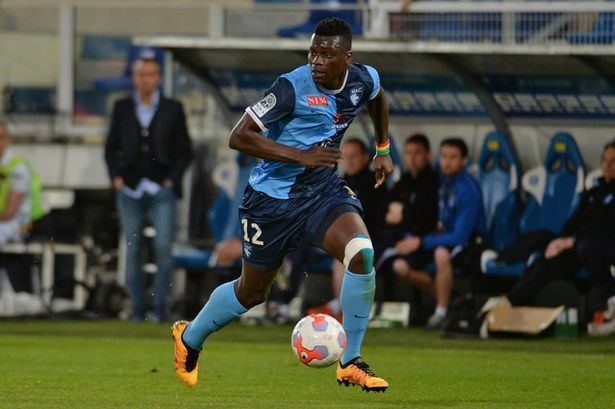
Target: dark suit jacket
172, 145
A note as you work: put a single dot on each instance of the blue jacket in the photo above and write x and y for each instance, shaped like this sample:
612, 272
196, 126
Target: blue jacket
461, 212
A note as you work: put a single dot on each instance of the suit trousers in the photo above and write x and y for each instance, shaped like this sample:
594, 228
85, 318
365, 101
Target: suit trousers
160, 209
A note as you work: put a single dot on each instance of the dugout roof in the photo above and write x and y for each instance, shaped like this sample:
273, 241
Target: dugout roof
440, 80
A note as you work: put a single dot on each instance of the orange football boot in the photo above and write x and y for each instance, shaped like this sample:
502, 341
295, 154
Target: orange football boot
186, 358
357, 372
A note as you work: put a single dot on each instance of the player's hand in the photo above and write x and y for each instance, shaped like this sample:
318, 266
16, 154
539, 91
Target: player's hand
118, 183
383, 166
408, 245
318, 156
558, 245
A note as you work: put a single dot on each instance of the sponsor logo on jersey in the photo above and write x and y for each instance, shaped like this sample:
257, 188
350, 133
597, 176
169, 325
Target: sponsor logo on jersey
317, 100
355, 95
264, 105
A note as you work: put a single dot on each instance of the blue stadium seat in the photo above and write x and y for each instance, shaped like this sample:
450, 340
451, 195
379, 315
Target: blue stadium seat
231, 177
554, 189
553, 192
499, 176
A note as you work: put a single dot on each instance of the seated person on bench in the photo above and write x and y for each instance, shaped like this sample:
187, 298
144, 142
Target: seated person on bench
587, 240
14, 207
14, 188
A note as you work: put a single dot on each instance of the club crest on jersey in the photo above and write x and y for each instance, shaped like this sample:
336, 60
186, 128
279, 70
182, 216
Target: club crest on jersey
264, 105
317, 100
355, 95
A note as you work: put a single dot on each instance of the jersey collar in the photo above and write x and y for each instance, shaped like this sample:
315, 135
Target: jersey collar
334, 91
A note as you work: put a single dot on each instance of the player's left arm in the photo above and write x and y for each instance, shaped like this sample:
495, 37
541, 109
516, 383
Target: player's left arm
379, 113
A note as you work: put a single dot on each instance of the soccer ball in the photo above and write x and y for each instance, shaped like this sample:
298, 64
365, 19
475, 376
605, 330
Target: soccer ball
318, 340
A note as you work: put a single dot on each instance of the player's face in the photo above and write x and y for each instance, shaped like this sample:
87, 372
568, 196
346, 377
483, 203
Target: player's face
354, 158
416, 157
451, 160
146, 77
328, 59
608, 164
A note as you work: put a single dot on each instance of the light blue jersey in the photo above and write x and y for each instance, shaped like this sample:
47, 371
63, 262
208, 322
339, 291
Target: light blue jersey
296, 112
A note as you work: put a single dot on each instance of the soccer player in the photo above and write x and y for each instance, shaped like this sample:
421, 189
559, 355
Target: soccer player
295, 193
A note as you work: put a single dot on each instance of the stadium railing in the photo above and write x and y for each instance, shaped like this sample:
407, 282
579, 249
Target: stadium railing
587, 23
501, 23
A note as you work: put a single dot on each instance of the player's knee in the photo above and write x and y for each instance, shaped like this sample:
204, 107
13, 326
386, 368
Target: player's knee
359, 255
442, 255
363, 262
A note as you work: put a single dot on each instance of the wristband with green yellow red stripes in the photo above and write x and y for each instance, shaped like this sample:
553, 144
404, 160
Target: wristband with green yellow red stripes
384, 148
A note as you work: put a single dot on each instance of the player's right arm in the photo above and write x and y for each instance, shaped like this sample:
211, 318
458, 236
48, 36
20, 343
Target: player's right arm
246, 137
277, 104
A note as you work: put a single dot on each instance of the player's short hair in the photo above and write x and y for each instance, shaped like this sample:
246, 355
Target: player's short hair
419, 139
456, 143
359, 142
334, 26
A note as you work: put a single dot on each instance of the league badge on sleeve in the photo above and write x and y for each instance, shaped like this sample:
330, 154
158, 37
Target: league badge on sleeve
264, 105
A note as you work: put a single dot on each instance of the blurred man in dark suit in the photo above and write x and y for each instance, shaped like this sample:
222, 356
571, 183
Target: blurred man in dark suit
147, 152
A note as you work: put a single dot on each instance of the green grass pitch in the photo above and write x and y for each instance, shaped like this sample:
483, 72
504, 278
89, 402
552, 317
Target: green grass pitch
111, 364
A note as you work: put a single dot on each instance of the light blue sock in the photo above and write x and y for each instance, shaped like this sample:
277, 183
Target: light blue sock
221, 309
356, 298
